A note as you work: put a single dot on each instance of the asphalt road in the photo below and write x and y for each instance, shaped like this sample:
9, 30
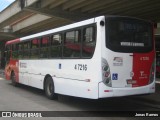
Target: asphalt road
24, 98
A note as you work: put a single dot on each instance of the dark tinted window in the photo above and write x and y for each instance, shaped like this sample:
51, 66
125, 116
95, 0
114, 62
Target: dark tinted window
15, 51
20, 50
56, 46
128, 35
72, 44
89, 42
76, 43
158, 62
44, 47
26, 52
35, 44
8, 52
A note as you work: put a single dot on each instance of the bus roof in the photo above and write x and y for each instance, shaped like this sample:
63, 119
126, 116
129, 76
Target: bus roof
66, 27
13, 41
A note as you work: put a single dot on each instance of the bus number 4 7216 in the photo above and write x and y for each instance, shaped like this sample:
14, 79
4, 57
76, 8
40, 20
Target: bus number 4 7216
80, 67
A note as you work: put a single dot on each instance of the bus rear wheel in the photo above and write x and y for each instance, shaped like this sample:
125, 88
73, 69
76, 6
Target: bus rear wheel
49, 88
13, 79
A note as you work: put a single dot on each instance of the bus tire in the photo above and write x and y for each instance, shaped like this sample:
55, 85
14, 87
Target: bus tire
49, 88
13, 79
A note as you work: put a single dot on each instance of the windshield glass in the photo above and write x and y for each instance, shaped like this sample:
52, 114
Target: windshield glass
158, 63
157, 58
128, 35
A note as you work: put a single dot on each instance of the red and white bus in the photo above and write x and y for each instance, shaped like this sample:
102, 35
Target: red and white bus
158, 64
105, 56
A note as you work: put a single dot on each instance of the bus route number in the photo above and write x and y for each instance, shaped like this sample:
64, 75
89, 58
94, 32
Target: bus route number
80, 67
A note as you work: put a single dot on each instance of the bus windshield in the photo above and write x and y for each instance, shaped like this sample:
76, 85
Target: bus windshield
128, 35
158, 63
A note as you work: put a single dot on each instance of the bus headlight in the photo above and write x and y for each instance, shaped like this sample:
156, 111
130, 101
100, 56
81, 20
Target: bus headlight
106, 74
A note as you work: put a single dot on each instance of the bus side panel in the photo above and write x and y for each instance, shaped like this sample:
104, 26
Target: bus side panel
36, 72
31, 73
75, 88
69, 80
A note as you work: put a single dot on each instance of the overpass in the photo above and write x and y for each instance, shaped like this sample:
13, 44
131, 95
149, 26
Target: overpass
25, 17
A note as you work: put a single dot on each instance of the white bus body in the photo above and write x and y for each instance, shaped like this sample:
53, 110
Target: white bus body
86, 77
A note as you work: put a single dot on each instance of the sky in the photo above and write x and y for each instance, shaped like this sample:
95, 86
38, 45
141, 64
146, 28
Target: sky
5, 3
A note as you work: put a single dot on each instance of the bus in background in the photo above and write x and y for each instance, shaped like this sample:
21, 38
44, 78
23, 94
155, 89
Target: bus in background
158, 64
105, 56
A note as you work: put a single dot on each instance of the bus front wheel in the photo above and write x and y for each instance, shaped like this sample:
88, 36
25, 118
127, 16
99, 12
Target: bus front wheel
49, 88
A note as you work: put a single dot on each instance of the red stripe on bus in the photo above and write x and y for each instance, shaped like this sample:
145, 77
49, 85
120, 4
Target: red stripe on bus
142, 64
13, 41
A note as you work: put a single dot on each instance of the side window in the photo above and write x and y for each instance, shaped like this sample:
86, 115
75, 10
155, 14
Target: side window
20, 50
15, 51
35, 44
72, 44
7, 53
26, 51
56, 46
89, 42
44, 47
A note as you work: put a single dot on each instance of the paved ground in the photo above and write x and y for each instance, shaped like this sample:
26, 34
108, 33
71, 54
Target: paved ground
24, 98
